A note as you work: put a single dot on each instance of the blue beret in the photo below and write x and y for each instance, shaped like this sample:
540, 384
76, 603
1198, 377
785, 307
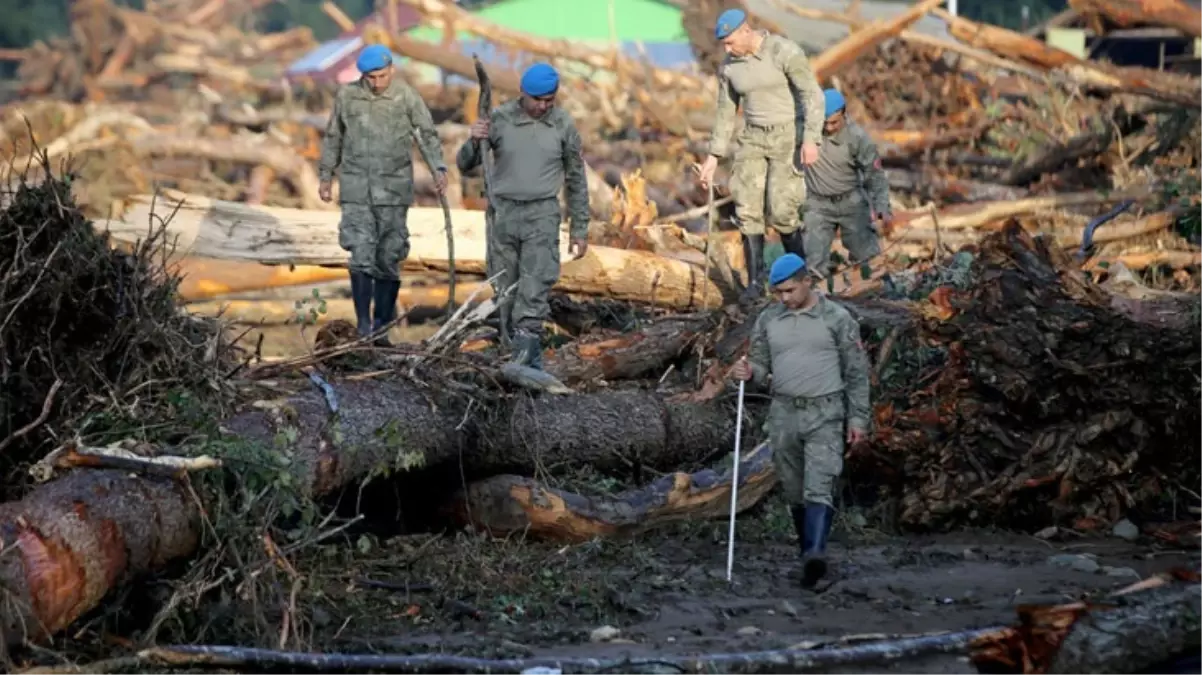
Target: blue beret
785, 267
540, 80
834, 101
373, 57
728, 21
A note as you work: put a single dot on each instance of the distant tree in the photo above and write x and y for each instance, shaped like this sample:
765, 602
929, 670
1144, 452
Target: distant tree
280, 16
1009, 13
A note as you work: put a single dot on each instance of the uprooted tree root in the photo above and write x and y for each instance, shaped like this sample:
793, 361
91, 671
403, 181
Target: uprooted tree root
92, 340
1025, 396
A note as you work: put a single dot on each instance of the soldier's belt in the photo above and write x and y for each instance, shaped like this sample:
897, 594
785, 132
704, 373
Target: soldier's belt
768, 127
834, 199
804, 402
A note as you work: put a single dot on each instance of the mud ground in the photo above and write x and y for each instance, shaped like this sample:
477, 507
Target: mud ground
666, 592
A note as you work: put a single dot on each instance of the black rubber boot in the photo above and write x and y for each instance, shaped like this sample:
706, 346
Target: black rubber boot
799, 524
385, 307
362, 287
818, 521
753, 256
528, 349
794, 242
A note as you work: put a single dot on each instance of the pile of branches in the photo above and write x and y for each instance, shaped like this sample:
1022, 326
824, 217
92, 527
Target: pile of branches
91, 337
1039, 401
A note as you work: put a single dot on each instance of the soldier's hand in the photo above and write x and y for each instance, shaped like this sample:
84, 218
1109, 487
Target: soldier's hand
480, 129
808, 154
705, 171
856, 436
325, 190
741, 370
440, 181
578, 247
885, 223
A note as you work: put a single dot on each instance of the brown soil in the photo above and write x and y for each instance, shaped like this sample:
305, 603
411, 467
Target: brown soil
667, 592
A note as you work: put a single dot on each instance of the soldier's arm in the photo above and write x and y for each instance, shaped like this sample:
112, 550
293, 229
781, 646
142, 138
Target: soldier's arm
575, 181
876, 183
419, 117
331, 144
853, 361
724, 118
759, 355
799, 73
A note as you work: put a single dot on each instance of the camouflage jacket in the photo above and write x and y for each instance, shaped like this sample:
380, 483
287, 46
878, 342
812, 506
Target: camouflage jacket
369, 140
776, 85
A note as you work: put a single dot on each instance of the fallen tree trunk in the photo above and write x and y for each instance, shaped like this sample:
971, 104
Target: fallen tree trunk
966, 216
73, 539
1131, 13
211, 228
1134, 630
70, 541
280, 312
502, 505
1009, 44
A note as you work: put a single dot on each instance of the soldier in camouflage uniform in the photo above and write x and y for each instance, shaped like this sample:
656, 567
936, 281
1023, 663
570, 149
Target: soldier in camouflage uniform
538, 151
808, 349
369, 141
846, 189
771, 77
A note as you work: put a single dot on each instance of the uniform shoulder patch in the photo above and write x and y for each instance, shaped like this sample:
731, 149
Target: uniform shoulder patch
876, 164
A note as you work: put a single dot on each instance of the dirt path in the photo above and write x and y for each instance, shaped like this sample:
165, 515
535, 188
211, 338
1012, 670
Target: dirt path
667, 592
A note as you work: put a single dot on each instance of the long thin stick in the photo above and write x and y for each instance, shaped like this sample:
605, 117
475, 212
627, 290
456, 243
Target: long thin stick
734, 486
782, 660
446, 217
484, 111
709, 243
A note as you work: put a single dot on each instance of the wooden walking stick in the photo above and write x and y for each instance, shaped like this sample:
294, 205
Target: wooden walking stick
446, 217
484, 111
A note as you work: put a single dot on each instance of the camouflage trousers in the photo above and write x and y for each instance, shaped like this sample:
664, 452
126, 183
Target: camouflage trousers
807, 446
524, 250
853, 218
377, 238
765, 183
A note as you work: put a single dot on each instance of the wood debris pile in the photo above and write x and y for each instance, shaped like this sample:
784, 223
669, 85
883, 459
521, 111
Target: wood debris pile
964, 126
1028, 397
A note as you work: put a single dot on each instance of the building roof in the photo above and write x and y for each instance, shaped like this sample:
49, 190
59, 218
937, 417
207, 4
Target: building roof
633, 20
335, 59
817, 35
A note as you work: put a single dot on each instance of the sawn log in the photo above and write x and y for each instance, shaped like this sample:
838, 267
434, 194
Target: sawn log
213, 228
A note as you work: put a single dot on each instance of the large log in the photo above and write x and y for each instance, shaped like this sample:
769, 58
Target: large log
1131, 13
1009, 44
73, 539
506, 504
211, 228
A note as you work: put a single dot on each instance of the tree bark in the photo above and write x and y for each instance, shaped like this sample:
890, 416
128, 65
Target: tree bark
70, 541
